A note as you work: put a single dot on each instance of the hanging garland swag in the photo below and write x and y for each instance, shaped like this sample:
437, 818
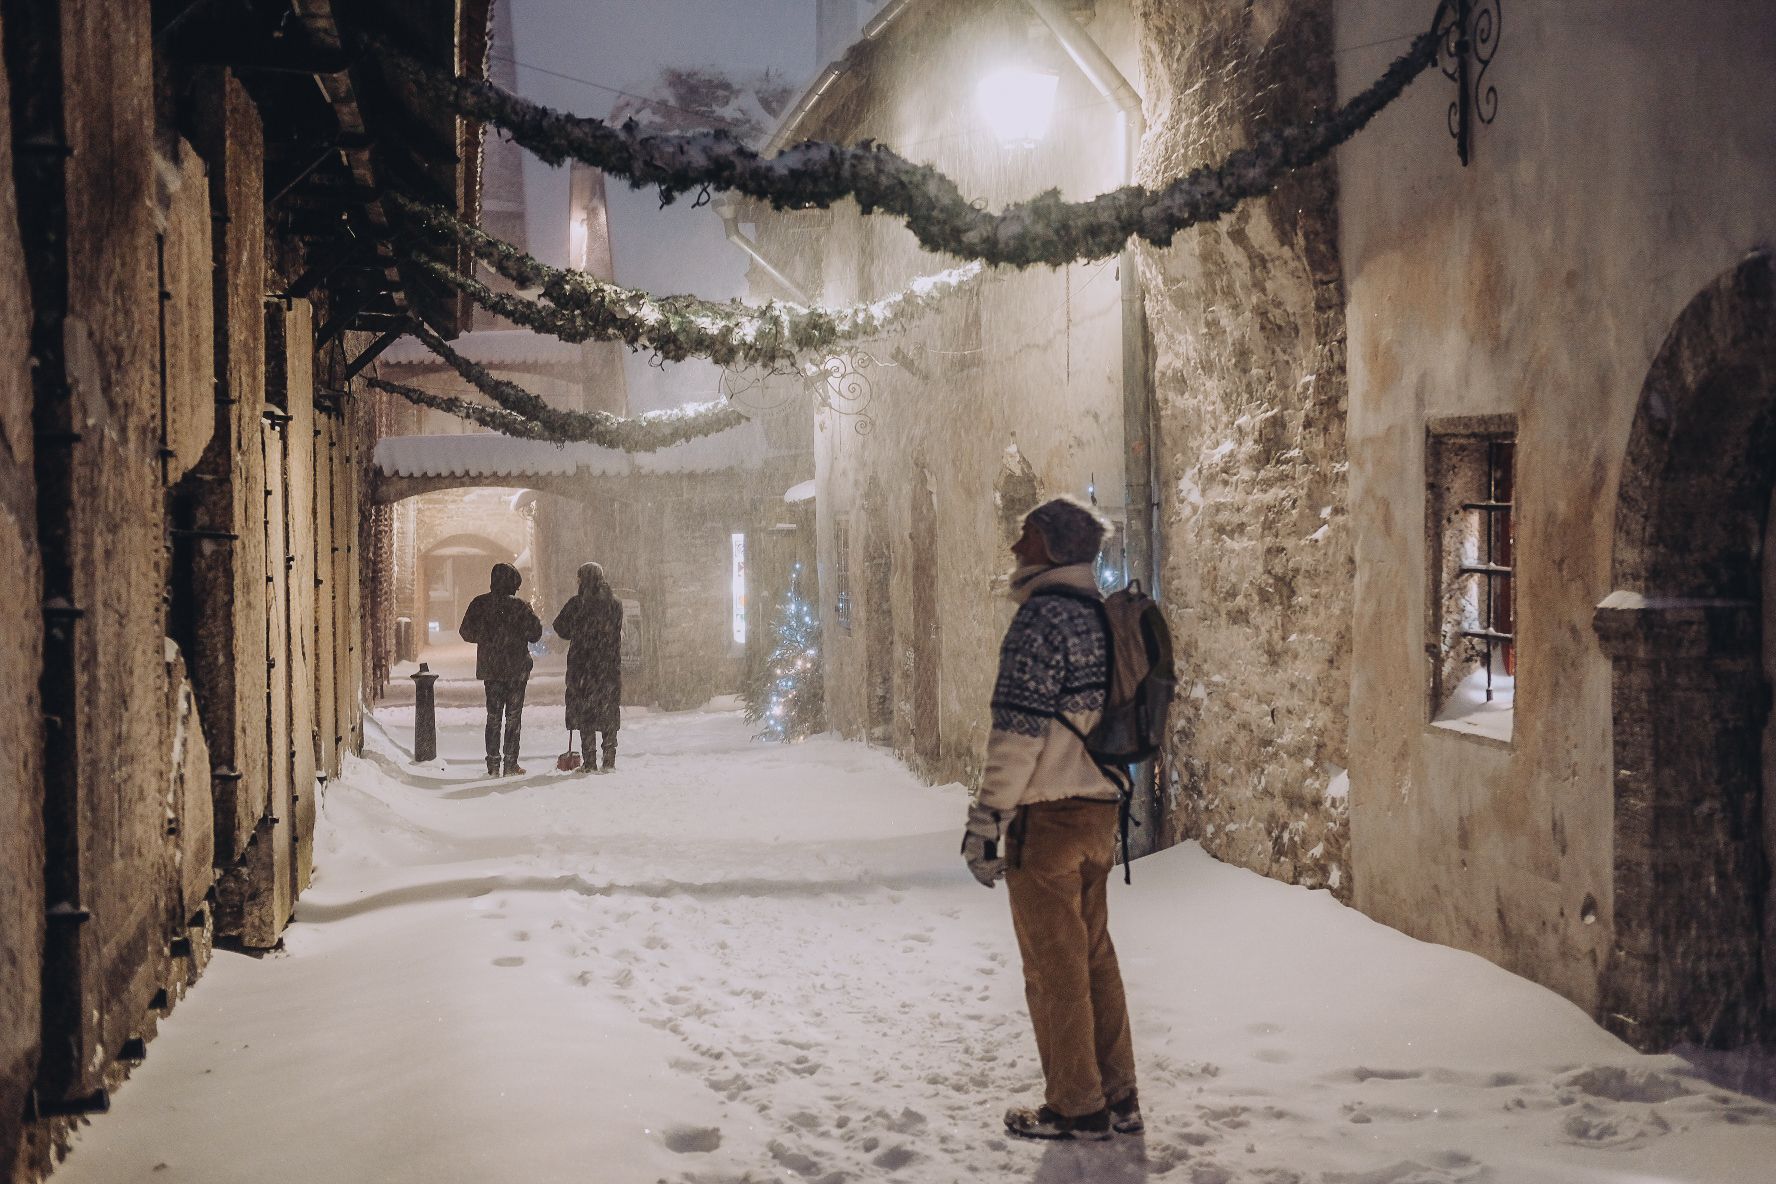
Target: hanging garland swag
540, 421
586, 308
1045, 229
499, 420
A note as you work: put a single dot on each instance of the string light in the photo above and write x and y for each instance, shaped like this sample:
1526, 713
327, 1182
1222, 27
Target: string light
794, 692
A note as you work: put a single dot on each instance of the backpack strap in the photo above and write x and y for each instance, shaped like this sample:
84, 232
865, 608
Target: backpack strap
1116, 775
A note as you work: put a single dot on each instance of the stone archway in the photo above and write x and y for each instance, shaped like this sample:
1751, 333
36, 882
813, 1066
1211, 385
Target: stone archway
1683, 631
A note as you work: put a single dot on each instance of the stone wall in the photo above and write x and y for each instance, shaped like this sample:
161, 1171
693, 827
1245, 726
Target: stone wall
107, 831
140, 531
21, 631
219, 604
1247, 324
666, 540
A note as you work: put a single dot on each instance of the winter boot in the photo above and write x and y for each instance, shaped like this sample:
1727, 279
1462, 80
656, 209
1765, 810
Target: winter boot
1125, 1115
610, 759
1043, 1123
493, 766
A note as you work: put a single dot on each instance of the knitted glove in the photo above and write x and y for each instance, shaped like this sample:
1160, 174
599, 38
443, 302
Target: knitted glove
981, 843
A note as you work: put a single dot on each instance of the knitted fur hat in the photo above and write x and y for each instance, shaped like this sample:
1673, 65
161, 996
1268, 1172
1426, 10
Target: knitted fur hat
1073, 530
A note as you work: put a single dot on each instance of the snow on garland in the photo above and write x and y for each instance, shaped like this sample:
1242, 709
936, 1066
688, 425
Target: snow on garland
676, 327
1045, 229
496, 418
637, 433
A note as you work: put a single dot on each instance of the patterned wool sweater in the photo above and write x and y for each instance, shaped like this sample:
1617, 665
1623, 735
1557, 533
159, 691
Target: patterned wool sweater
1052, 663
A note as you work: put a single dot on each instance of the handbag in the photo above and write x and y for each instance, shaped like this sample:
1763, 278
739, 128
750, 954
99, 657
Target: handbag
570, 760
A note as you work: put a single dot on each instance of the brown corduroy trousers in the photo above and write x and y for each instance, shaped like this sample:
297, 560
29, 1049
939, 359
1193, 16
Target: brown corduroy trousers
1059, 886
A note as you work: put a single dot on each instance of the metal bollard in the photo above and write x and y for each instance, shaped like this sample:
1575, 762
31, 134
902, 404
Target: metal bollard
425, 715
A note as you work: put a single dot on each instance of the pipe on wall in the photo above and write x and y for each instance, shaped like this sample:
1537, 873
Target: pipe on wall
1137, 383
729, 212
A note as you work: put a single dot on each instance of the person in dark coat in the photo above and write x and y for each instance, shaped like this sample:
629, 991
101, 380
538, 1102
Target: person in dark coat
592, 622
502, 628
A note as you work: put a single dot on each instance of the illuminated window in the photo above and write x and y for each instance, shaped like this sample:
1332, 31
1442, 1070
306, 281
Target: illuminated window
738, 576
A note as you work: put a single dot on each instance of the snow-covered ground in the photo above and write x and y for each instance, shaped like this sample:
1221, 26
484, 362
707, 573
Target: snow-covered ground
733, 962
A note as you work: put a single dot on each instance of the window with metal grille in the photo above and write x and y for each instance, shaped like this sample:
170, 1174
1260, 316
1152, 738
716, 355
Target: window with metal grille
841, 571
1471, 553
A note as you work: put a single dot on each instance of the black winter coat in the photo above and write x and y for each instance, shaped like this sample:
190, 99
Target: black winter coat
593, 625
502, 628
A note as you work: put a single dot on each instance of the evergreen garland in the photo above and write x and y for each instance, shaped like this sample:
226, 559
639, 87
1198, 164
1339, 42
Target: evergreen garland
499, 420
676, 327
794, 686
637, 433
1045, 229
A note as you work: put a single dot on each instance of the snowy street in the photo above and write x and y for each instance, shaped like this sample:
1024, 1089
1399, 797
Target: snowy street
730, 961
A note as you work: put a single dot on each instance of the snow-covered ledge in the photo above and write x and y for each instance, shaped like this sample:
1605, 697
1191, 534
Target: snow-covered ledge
1634, 625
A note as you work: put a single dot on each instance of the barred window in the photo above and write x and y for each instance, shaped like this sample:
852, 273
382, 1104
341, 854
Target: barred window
841, 571
1471, 548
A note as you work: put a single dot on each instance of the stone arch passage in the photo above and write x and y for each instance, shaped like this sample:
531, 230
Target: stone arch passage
1683, 631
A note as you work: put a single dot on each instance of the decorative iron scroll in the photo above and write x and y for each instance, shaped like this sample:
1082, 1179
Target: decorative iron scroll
841, 385
1465, 51
750, 387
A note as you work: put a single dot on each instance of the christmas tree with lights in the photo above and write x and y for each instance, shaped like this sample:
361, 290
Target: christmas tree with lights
794, 700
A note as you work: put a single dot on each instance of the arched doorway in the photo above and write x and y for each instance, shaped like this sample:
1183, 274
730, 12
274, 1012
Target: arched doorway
1690, 697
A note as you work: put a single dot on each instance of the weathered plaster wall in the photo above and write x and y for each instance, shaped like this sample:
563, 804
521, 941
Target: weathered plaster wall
1032, 360
21, 626
1539, 282
1249, 375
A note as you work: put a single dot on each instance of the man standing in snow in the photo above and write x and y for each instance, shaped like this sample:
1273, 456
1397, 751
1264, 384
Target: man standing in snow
502, 628
1045, 819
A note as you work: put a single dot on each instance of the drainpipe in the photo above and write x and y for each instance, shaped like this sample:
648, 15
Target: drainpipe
1137, 389
729, 212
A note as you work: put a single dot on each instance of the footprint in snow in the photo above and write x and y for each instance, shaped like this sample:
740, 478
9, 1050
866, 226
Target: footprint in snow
895, 1158
1362, 1073
1617, 1084
686, 1140
1444, 1167
1603, 1126
509, 960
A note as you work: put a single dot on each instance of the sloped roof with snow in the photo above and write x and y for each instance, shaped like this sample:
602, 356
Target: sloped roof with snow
490, 347
499, 458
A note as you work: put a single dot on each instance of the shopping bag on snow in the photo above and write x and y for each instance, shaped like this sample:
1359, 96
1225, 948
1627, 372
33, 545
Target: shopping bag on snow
570, 760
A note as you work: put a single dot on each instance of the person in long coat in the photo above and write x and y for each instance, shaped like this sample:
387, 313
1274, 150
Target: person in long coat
592, 623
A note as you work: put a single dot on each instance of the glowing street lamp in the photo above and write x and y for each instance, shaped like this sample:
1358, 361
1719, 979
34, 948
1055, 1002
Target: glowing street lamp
1017, 104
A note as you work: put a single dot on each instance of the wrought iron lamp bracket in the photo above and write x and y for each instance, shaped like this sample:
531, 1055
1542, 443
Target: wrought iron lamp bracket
1469, 32
841, 384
